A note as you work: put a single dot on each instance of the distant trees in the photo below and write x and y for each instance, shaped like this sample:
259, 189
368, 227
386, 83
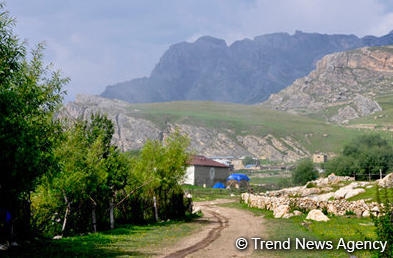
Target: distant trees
304, 172
367, 154
248, 160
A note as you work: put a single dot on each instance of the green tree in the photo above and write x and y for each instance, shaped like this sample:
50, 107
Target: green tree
367, 154
342, 166
29, 95
81, 183
163, 164
248, 161
304, 172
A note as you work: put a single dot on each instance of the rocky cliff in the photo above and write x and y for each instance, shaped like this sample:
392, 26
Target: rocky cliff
342, 87
133, 128
247, 71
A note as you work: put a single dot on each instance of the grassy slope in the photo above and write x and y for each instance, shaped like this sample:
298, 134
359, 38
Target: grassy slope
314, 134
382, 118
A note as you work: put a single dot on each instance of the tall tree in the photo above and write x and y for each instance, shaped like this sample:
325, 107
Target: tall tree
29, 95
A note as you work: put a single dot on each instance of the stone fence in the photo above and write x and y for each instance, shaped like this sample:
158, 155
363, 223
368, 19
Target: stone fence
319, 195
285, 207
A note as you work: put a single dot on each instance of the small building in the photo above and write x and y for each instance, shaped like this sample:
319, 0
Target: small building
203, 171
319, 158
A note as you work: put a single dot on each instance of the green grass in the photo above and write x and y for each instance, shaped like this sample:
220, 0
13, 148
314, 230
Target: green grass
125, 241
370, 195
236, 119
207, 194
268, 177
349, 228
382, 120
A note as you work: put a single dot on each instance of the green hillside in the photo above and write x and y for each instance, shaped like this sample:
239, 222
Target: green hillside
235, 119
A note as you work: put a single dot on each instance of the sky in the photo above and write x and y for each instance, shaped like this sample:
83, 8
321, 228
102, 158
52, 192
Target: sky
98, 43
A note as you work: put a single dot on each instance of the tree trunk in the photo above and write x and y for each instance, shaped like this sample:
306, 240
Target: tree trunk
155, 208
93, 214
67, 212
94, 218
111, 217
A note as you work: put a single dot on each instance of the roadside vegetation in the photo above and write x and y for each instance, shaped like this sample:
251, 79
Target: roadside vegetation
65, 178
348, 227
124, 241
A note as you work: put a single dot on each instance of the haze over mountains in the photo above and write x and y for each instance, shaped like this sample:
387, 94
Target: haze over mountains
351, 88
247, 71
320, 88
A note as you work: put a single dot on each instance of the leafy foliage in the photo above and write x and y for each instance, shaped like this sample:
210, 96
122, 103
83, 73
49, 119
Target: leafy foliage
304, 172
97, 184
384, 223
367, 154
29, 95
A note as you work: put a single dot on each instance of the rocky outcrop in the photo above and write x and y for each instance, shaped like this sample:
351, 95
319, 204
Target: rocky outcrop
133, 128
130, 133
247, 71
387, 181
342, 87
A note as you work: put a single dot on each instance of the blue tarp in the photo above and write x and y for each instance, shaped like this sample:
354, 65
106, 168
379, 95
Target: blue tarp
219, 185
238, 177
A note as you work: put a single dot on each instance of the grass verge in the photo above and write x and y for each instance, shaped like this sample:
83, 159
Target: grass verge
349, 228
125, 241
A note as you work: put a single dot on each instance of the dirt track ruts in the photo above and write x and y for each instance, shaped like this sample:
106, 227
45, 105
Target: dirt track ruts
213, 234
220, 227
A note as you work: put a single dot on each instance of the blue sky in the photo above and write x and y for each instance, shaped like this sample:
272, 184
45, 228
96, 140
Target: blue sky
98, 43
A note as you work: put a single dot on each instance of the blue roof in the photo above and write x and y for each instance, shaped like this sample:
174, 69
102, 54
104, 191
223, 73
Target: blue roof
238, 177
219, 185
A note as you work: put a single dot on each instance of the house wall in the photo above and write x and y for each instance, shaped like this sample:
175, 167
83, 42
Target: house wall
210, 175
189, 178
319, 158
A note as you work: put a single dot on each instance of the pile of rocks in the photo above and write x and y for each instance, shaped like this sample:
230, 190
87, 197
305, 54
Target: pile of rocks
294, 201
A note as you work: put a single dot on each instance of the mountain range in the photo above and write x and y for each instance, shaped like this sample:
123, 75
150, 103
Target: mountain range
348, 92
247, 71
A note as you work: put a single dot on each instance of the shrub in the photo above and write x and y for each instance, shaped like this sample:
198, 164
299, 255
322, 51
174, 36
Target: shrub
384, 224
304, 172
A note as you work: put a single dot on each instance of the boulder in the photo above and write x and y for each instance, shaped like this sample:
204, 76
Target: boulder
354, 192
387, 181
349, 191
366, 213
281, 210
317, 215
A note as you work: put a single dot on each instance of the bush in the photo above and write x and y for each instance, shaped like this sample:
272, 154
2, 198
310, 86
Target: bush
384, 224
304, 172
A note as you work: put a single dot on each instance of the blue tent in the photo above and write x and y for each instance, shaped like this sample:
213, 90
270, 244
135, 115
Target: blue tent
238, 177
219, 185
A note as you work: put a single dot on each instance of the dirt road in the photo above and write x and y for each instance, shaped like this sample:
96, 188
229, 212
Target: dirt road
220, 227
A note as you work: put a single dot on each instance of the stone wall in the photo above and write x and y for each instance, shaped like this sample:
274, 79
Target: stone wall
304, 204
329, 195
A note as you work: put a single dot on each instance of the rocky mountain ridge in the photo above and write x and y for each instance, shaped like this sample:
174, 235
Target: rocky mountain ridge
132, 131
342, 87
247, 71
